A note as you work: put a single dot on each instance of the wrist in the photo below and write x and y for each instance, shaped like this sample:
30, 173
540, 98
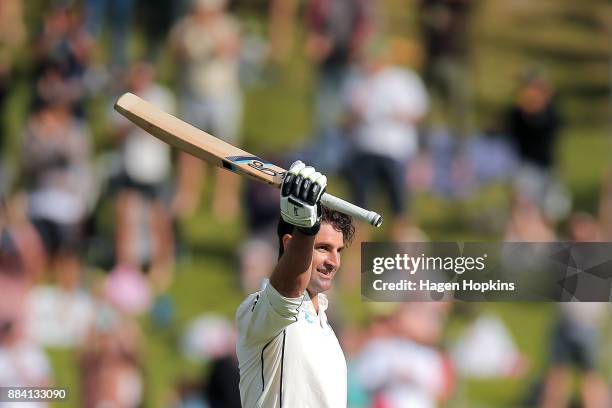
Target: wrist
314, 230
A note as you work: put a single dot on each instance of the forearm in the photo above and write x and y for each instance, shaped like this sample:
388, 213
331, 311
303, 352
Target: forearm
292, 273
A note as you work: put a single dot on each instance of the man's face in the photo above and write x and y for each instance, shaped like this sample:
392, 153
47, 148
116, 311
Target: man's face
328, 245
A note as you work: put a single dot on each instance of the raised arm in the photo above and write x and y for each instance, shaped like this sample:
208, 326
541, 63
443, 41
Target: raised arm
292, 273
300, 194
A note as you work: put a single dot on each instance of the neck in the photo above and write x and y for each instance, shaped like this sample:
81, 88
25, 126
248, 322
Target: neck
314, 299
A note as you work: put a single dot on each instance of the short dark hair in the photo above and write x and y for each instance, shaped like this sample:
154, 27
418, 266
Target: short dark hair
340, 222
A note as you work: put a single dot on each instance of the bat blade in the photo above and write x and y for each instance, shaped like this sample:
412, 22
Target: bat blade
198, 143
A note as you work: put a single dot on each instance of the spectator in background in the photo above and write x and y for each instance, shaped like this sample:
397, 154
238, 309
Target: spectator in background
574, 343
59, 315
353, 340
156, 18
145, 203
21, 264
222, 389
52, 86
63, 54
110, 365
337, 31
118, 14
385, 103
61, 192
527, 222
17, 238
585, 228
23, 363
211, 339
445, 30
207, 44
486, 349
281, 28
414, 332
533, 124
575, 338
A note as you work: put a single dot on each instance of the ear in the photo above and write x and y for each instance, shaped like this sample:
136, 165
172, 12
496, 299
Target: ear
286, 239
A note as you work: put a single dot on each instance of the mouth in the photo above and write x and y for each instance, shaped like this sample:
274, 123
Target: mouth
327, 274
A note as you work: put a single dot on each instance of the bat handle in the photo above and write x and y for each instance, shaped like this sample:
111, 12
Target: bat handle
354, 211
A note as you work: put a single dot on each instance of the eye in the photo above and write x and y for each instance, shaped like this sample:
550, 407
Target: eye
322, 248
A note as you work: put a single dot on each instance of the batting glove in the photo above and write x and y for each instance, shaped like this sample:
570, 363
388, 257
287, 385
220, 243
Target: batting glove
301, 192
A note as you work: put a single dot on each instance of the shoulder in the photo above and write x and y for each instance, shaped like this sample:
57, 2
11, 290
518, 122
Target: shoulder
260, 318
248, 304
264, 314
268, 296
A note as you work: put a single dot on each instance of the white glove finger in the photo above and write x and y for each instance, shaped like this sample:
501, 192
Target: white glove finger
307, 171
315, 177
290, 176
296, 167
322, 181
301, 183
311, 189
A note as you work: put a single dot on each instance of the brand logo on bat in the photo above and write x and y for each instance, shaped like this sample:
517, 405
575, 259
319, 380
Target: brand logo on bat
251, 161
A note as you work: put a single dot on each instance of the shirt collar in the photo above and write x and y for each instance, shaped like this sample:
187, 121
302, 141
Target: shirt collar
308, 306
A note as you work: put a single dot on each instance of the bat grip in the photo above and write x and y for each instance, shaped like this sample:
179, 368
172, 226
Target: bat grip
354, 211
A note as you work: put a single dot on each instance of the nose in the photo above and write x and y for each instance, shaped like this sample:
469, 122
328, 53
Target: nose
333, 260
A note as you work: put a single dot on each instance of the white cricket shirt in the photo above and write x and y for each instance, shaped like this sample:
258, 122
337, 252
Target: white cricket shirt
288, 355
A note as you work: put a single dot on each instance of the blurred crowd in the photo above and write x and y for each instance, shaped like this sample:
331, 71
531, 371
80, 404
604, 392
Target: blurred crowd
91, 206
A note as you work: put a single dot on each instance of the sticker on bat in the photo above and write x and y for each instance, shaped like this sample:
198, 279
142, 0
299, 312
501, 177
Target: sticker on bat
252, 161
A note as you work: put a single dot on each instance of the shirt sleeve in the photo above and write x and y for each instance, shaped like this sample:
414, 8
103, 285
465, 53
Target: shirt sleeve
264, 315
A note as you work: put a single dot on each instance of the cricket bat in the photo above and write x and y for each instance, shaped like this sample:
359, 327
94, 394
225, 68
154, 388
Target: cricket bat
198, 143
